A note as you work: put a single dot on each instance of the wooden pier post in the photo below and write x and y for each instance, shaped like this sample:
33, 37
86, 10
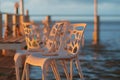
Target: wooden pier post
22, 7
27, 17
46, 28
16, 6
8, 33
21, 20
96, 36
48, 19
1, 26
8, 25
16, 24
27, 12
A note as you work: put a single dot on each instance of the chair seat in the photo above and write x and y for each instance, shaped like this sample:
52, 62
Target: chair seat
36, 59
20, 57
63, 55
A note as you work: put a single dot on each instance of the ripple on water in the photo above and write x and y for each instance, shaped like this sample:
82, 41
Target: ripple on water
100, 64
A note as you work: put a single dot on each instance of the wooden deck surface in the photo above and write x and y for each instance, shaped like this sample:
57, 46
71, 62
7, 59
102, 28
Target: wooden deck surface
7, 67
7, 70
12, 43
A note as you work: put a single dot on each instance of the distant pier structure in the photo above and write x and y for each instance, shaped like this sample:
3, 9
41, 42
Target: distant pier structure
22, 7
96, 32
13, 29
0, 25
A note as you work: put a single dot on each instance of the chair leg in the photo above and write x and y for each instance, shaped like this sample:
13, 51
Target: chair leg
79, 68
17, 72
65, 69
24, 72
43, 73
71, 69
55, 70
27, 72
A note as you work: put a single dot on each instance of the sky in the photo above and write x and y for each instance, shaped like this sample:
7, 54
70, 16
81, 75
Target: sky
64, 7
74, 7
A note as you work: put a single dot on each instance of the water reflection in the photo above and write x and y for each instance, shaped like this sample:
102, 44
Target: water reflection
102, 64
97, 62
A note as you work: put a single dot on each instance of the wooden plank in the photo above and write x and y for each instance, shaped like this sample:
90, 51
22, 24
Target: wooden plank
13, 39
12, 45
20, 39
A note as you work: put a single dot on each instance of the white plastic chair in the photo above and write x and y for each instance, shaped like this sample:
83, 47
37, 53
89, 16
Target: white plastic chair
32, 44
33, 41
70, 47
44, 58
19, 60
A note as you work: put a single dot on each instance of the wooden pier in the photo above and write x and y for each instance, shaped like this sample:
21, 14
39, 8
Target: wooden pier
13, 43
13, 38
7, 71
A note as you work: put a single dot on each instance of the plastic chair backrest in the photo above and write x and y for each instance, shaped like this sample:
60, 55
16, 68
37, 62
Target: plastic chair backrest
74, 38
53, 42
32, 35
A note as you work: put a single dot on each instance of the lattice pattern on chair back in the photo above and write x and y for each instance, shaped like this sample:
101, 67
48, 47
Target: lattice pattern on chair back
73, 41
53, 41
32, 35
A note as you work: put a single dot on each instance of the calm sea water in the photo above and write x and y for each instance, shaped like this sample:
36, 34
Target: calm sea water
98, 63
109, 34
